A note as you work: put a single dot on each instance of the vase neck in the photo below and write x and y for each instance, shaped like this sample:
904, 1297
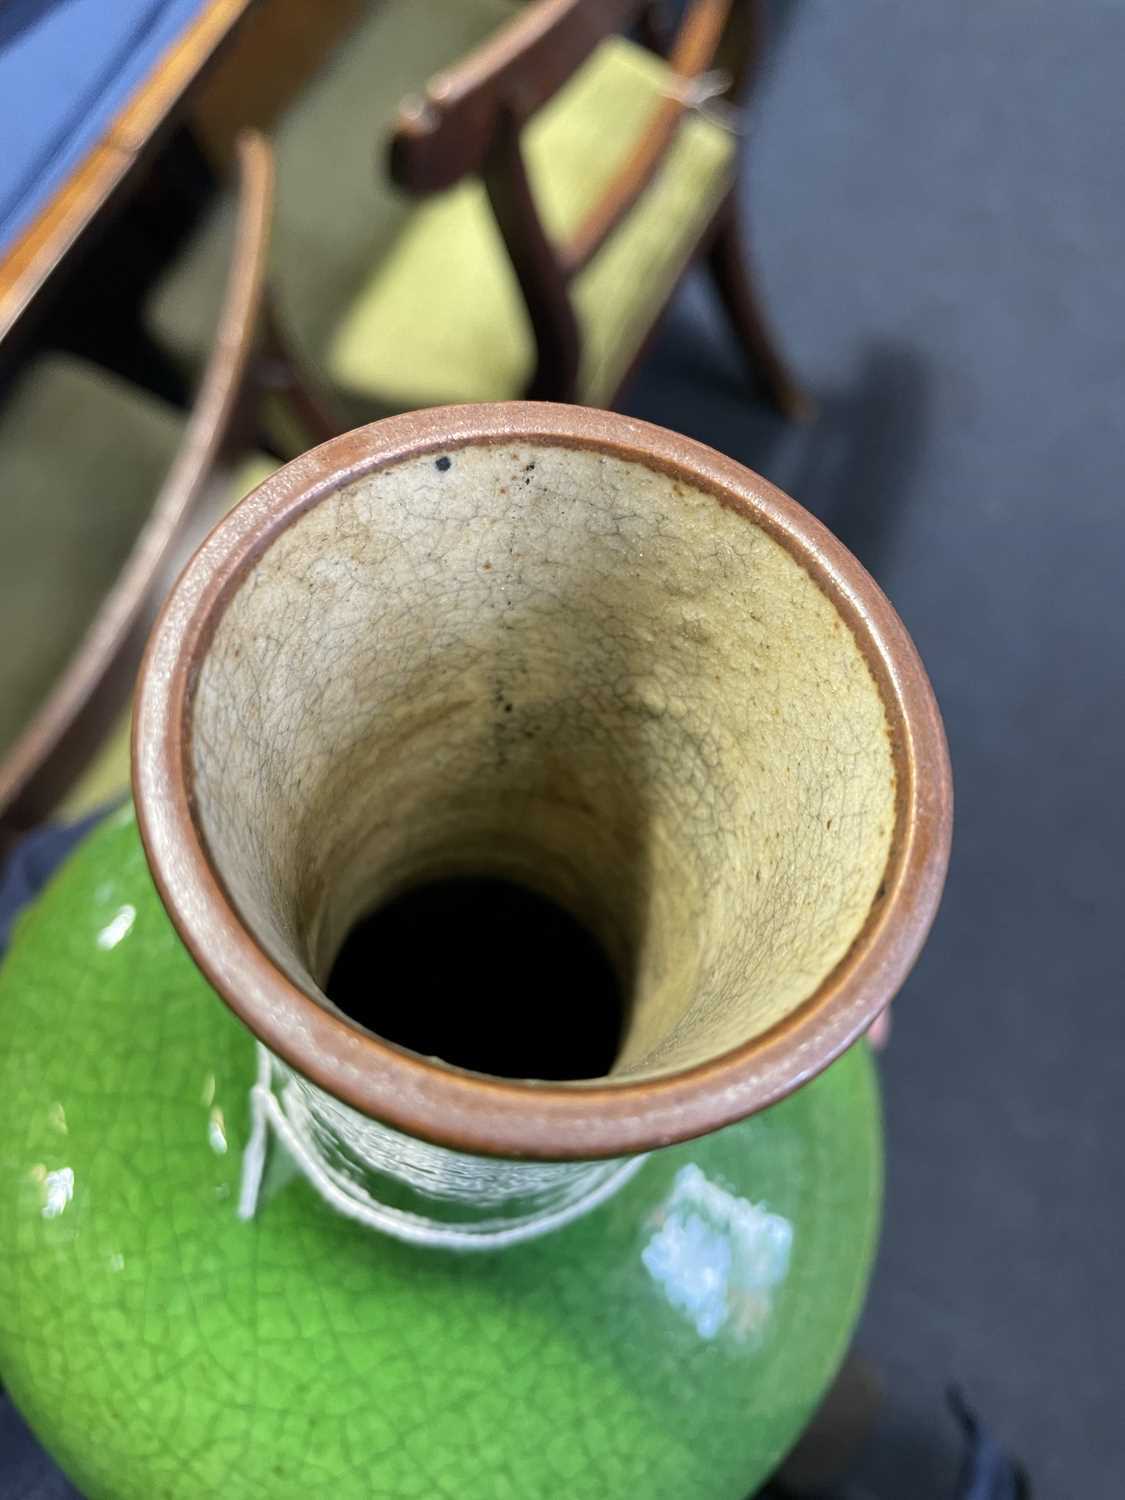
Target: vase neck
409, 1188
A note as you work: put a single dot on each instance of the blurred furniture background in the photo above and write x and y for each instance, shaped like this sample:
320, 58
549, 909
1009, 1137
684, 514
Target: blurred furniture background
106, 491
479, 200
87, 91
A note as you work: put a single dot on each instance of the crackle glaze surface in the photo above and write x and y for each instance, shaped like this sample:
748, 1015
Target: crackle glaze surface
573, 670
670, 1344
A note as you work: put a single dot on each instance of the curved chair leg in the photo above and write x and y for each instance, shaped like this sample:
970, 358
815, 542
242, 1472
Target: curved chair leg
728, 262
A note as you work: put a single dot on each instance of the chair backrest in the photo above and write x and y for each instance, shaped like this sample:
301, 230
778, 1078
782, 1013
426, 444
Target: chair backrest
93, 688
469, 118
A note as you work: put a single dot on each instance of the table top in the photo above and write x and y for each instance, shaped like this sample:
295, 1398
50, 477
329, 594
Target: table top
84, 87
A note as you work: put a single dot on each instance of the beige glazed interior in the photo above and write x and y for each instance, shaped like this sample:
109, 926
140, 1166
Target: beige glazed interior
566, 668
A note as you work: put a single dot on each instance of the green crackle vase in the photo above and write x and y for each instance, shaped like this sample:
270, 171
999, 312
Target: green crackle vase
160, 1347
264, 1236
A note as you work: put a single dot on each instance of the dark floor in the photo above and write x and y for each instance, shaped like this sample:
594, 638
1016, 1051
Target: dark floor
940, 229
939, 212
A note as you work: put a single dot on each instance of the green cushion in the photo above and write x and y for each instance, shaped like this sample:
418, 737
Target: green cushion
82, 456
337, 212
107, 775
441, 317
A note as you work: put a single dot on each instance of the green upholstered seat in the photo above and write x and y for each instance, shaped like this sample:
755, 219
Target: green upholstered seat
82, 458
441, 318
82, 455
337, 211
408, 303
107, 775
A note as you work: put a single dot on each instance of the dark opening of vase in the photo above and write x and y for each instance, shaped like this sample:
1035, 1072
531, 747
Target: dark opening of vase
485, 974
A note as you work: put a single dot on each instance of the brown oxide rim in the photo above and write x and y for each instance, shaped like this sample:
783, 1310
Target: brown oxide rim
468, 1111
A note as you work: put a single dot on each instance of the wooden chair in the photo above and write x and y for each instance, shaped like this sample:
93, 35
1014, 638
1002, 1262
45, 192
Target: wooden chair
87, 552
554, 185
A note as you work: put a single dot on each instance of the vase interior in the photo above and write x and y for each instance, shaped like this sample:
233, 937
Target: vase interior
547, 665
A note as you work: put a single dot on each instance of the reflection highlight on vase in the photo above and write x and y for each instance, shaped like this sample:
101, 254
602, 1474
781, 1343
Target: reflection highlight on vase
57, 1189
718, 1258
120, 927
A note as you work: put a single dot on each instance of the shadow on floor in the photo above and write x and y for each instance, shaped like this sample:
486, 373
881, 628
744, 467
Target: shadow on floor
855, 469
852, 466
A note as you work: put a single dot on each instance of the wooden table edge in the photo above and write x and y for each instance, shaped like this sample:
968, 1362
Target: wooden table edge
60, 223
